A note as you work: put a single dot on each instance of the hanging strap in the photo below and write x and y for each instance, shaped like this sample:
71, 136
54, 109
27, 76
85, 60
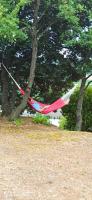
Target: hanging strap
11, 76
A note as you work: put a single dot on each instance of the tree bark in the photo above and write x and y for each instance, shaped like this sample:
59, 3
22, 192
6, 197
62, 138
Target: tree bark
23, 104
5, 95
14, 91
78, 126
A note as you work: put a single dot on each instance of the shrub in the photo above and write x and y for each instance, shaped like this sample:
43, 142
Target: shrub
63, 123
18, 122
87, 109
41, 119
70, 110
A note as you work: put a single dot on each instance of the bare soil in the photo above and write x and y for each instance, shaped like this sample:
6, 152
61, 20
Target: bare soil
44, 163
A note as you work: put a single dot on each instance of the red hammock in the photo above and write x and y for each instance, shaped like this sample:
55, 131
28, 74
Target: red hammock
44, 108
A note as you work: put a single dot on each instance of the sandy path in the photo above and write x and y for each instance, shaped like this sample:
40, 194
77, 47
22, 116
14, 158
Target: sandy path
45, 164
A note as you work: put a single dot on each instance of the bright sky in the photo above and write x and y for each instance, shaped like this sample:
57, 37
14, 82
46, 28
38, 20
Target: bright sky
90, 78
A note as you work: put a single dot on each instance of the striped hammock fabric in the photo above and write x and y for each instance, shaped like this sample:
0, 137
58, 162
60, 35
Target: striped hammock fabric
47, 108
44, 108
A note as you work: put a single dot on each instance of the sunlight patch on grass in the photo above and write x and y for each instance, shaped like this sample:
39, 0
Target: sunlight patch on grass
44, 135
55, 136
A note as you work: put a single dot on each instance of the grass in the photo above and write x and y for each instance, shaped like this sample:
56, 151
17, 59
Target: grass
28, 129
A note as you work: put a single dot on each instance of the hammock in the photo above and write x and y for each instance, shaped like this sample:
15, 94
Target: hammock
45, 108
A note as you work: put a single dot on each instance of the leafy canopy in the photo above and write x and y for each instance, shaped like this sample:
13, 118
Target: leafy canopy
9, 20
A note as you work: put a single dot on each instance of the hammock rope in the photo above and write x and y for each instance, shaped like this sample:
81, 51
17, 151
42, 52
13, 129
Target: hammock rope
40, 107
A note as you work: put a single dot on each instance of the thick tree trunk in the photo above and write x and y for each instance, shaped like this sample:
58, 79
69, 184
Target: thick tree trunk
14, 92
23, 104
5, 95
78, 126
13, 99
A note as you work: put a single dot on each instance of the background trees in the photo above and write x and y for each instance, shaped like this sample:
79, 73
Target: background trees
70, 110
49, 42
80, 51
9, 33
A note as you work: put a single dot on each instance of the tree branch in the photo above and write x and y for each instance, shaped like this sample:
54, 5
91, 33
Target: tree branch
88, 84
88, 76
41, 35
41, 16
46, 29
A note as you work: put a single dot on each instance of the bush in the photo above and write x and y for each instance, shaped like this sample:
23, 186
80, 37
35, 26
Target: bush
18, 122
70, 110
87, 109
63, 123
41, 119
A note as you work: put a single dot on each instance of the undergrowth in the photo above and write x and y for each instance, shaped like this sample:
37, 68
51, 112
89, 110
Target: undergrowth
41, 119
18, 122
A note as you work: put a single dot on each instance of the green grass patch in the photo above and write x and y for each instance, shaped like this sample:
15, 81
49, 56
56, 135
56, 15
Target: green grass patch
41, 119
18, 122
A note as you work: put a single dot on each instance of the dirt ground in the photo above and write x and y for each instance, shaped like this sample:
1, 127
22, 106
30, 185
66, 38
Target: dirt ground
44, 163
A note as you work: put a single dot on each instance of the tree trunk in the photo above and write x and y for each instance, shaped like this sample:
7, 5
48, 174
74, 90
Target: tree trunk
78, 126
23, 104
5, 95
14, 92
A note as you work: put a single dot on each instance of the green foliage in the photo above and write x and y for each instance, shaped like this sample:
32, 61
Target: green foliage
70, 110
20, 4
69, 10
87, 109
63, 123
18, 122
41, 119
9, 21
78, 14
9, 30
62, 24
